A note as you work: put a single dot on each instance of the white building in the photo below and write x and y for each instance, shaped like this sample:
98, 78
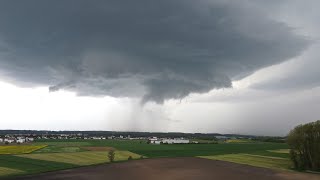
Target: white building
154, 140
21, 140
111, 137
1, 140
96, 138
30, 139
9, 140
176, 141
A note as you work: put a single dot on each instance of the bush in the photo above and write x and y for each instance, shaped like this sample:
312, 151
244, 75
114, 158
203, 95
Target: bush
304, 141
130, 158
111, 155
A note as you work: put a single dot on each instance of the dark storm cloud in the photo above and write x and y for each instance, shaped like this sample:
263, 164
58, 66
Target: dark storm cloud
152, 49
304, 75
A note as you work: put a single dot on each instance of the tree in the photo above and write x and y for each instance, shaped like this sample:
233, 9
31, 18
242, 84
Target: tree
111, 155
304, 141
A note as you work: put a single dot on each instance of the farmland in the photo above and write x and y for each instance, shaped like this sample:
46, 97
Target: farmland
8, 171
20, 165
81, 158
20, 149
59, 149
254, 160
175, 150
283, 151
51, 155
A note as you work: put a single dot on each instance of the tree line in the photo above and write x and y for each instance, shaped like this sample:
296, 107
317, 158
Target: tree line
304, 142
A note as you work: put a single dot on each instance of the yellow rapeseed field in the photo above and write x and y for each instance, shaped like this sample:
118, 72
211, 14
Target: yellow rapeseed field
19, 149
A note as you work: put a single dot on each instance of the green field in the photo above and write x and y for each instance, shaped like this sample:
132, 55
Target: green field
254, 160
51, 155
30, 166
57, 149
239, 141
8, 171
179, 150
81, 158
203, 141
64, 143
282, 151
19, 149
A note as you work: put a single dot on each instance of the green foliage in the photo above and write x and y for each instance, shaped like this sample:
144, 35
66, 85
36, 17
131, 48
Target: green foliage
111, 155
304, 141
130, 158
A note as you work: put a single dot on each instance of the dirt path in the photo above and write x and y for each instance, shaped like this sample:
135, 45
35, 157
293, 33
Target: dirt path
173, 169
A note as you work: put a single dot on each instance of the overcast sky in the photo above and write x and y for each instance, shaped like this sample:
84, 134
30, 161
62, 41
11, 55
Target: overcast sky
211, 66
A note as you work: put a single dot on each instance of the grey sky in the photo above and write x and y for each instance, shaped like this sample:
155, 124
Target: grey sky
166, 51
170, 48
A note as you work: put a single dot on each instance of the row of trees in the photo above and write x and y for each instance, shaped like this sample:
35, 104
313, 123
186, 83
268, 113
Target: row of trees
304, 142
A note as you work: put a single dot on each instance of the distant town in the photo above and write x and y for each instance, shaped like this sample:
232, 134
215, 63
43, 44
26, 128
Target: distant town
27, 136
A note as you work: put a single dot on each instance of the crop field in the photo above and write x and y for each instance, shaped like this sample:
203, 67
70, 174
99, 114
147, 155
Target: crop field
81, 158
186, 168
179, 150
254, 160
8, 171
64, 143
20, 149
51, 155
269, 153
239, 141
98, 148
202, 141
30, 166
282, 151
58, 149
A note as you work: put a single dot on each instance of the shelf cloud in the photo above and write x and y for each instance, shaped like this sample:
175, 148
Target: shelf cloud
154, 50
